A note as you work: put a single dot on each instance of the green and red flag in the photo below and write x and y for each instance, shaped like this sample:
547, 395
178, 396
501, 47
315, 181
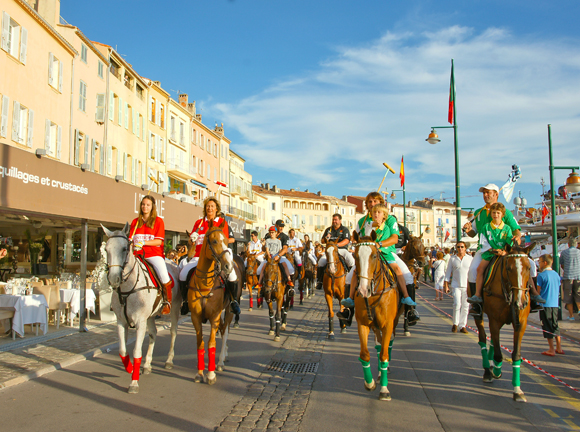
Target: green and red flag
450, 115
402, 173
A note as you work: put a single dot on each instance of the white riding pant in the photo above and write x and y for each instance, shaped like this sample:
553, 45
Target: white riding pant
297, 258
282, 260
404, 269
232, 277
259, 258
158, 263
460, 307
342, 252
312, 258
472, 273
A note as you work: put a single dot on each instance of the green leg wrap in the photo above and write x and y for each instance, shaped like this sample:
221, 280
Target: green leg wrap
378, 348
484, 355
497, 368
383, 367
491, 352
516, 373
367, 371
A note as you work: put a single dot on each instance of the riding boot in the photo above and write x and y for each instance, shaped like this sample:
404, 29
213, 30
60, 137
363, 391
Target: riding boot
346, 316
410, 312
234, 305
167, 297
184, 289
475, 309
319, 277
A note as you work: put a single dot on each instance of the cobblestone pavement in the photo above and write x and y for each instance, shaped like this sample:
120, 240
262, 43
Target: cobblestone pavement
276, 401
31, 361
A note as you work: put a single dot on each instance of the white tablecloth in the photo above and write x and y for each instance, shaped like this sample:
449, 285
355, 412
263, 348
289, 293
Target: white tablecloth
29, 309
73, 297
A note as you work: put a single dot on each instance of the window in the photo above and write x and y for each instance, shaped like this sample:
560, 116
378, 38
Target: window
152, 140
273, 206
182, 133
152, 109
22, 124
83, 97
208, 171
84, 53
162, 116
139, 91
161, 148
52, 139
100, 114
54, 72
120, 106
201, 165
115, 69
127, 107
80, 140
14, 38
172, 130
215, 149
101, 69
4, 118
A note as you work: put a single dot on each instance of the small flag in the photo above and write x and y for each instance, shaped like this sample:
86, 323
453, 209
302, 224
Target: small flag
529, 214
402, 173
450, 115
508, 188
447, 234
545, 212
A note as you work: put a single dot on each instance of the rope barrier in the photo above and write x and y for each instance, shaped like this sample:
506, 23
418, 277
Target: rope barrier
535, 366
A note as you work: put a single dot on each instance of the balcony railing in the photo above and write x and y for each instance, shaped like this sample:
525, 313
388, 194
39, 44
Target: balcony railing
237, 212
182, 166
319, 227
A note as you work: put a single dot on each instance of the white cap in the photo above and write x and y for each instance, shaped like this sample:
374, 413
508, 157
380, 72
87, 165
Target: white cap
489, 186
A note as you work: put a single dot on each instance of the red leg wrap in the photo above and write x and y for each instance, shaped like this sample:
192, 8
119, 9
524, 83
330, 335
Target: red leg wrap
136, 368
127, 363
251, 302
292, 301
211, 360
200, 359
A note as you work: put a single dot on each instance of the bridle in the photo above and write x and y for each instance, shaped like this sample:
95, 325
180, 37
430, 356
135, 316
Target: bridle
211, 274
275, 282
507, 286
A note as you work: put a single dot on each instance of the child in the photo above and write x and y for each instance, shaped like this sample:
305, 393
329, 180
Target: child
549, 283
386, 227
439, 267
495, 236
273, 247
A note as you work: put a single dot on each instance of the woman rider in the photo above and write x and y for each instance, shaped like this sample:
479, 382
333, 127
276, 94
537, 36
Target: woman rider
148, 234
211, 212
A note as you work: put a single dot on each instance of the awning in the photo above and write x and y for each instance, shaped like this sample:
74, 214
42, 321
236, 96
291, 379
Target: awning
200, 184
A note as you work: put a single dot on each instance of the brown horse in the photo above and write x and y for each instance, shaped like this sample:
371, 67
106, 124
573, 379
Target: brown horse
414, 257
506, 301
252, 278
377, 307
333, 283
308, 274
273, 291
206, 298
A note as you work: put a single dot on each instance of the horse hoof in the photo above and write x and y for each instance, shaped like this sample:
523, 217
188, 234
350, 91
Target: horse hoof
133, 389
407, 333
250, 309
331, 336
519, 397
146, 370
236, 325
219, 368
301, 302
198, 378
211, 381
386, 396
343, 330
271, 333
373, 386
487, 377
496, 376
277, 339
168, 365
283, 327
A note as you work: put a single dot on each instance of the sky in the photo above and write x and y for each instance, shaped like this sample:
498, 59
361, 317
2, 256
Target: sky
318, 94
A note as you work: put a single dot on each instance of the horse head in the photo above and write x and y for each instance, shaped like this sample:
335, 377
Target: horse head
415, 249
272, 277
332, 257
251, 264
366, 260
215, 247
517, 273
118, 249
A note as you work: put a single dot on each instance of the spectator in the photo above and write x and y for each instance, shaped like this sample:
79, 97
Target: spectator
446, 257
439, 271
570, 263
549, 284
457, 272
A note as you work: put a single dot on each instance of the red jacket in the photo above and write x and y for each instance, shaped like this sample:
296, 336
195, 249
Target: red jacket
203, 225
145, 233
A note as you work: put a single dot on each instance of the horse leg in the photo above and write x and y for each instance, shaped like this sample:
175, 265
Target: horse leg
271, 315
224, 350
384, 358
365, 358
487, 378
140, 328
196, 321
285, 309
518, 394
174, 323
152, 329
211, 376
278, 310
328, 297
494, 329
122, 331
250, 286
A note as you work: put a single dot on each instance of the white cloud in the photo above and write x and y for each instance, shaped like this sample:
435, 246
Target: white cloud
367, 105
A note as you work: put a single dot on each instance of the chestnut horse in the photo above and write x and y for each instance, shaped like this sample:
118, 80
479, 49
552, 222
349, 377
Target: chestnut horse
308, 274
252, 276
506, 301
333, 283
377, 307
273, 290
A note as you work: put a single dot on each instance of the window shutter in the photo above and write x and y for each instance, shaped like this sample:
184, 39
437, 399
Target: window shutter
16, 121
93, 152
47, 124
5, 31
87, 149
100, 116
137, 125
30, 128
58, 141
133, 164
50, 62
126, 115
120, 112
77, 147
4, 120
142, 129
143, 179
158, 114
160, 149
111, 106
124, 166
133, 112
103, 157
150, 111
119, 164
23, 45
60, 76
109, 160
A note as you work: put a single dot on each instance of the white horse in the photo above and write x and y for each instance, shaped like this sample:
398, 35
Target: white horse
136, 301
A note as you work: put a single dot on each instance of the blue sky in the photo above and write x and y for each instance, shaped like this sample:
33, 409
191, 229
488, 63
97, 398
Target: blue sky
317, 94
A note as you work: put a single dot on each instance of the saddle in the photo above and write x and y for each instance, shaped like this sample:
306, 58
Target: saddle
155, 280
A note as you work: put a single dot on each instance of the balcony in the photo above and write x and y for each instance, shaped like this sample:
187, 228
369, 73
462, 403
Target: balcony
236, 190
249, 216
185, 198
319, 227
180, 169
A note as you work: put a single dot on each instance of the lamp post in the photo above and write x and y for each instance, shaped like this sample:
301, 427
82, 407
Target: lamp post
434, 139
427, 230
393, 196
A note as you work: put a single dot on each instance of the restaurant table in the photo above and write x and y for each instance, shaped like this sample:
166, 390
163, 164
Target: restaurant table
28, 309
73, 298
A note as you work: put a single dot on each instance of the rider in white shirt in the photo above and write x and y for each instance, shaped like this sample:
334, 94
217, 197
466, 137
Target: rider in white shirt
295, 247
255, 247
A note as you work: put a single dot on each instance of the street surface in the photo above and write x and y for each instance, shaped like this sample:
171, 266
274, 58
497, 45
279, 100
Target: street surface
435, 383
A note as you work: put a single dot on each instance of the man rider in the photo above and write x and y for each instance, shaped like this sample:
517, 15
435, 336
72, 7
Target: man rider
255, 247
296, 247
339, 234
284, 240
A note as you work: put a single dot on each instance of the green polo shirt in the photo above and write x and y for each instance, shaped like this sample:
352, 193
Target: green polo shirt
386, 230
483, 217
497, 238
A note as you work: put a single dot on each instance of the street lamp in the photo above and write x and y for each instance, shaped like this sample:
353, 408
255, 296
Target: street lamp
393, 196
434, 139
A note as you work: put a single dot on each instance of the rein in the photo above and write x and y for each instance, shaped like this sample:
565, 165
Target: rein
506, 285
